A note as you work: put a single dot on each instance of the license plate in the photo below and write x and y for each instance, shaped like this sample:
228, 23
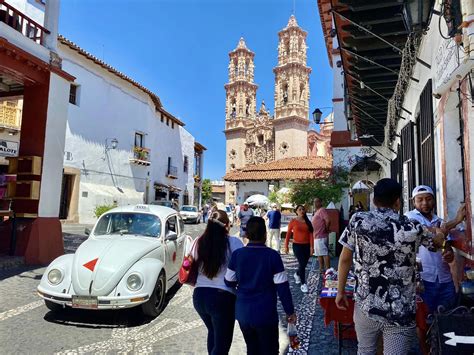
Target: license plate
84, 302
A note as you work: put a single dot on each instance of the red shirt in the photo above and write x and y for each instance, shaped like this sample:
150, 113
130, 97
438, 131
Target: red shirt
300, 232
320, 220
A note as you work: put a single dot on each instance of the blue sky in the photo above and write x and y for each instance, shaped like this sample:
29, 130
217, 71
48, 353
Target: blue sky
179, 50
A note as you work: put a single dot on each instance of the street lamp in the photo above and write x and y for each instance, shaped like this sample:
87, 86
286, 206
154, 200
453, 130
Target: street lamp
416, 14
317, 114
113, 144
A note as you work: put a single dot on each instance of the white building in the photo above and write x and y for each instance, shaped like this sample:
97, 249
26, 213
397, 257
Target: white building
122, 146
405, 84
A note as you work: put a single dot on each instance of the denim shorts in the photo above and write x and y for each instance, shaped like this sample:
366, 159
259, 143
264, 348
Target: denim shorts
439, 294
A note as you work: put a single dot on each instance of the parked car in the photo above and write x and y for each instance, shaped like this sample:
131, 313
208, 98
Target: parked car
167, 203
131, 258
190, 213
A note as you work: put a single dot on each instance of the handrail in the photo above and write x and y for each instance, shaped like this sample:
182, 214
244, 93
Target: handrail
22, 23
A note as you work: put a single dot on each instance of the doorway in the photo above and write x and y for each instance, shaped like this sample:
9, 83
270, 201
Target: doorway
66, 193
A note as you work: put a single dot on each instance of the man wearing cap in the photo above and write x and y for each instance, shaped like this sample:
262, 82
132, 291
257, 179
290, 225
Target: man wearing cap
274, 225
244, 215
436, 275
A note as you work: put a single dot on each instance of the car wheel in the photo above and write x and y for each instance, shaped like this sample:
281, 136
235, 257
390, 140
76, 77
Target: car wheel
154, 305
54, 307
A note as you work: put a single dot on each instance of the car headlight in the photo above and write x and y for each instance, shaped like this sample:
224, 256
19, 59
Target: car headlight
55, 276
134, 282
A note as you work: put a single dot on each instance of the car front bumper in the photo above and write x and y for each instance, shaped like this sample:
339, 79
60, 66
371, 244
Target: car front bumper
103, 302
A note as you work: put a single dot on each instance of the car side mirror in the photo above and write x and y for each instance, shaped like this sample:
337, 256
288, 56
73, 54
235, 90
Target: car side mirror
87, 231
171, 236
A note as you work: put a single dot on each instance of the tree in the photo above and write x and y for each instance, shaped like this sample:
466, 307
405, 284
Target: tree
329, 188
206, 190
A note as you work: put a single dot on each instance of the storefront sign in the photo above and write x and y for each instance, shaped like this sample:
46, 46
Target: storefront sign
8, 148
448, 67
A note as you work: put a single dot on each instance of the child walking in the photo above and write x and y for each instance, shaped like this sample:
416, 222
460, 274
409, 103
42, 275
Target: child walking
259, 275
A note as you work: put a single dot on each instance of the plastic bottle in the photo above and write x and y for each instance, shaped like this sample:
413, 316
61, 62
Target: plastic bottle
293, 335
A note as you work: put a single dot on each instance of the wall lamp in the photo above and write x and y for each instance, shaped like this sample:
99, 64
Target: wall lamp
317, 114
111, 143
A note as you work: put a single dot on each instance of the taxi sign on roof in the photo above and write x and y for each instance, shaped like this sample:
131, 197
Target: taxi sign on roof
142, 208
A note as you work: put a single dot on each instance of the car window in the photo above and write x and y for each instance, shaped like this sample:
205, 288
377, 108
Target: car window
128, 223
171, 225
189, 209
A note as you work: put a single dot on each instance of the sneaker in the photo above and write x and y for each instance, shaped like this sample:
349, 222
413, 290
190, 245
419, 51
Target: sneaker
304, 288
297, 278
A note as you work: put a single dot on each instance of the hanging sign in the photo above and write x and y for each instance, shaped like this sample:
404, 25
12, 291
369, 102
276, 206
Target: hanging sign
450, 64
8, 148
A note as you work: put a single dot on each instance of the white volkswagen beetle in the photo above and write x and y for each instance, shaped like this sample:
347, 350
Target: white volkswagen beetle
132, 257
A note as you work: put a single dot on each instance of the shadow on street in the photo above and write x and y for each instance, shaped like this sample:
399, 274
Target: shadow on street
83, 318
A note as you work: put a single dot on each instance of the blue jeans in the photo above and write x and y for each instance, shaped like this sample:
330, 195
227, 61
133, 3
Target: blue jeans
216, 308
261, 340
439, 294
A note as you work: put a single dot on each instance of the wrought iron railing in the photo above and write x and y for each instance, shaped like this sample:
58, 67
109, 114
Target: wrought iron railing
22, 23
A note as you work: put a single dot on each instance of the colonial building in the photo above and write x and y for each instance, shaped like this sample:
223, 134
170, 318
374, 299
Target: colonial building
406, 98
258, 137
137, 152
31, 72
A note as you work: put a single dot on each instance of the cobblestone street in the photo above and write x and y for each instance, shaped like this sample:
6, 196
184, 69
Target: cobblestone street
26, 325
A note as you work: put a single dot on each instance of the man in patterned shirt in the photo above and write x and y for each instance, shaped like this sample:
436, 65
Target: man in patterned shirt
383, 245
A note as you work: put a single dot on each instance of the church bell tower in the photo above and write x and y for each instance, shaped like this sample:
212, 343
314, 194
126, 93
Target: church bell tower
240, 112
291, 93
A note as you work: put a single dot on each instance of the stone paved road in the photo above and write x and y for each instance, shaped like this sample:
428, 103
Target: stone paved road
27, 327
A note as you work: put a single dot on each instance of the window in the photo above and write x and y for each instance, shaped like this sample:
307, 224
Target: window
186, 162
172, 124
73, 94
171, 225
167, 121
139, 139
260, 139
162, 118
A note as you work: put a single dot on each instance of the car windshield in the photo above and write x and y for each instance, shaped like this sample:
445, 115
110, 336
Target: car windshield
129, 223
189, 209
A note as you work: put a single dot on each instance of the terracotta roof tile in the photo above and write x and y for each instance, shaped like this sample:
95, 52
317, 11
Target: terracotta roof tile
156, 100
297, 168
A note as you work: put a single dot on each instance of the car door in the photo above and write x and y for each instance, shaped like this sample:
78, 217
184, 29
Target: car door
181, 239
172, 261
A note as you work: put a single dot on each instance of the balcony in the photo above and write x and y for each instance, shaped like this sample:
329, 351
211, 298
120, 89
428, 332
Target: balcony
172, 172
22, 23
141, 156
10, 116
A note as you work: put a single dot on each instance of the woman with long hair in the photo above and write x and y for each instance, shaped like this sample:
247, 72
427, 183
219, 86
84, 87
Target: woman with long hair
212, 299
301, 229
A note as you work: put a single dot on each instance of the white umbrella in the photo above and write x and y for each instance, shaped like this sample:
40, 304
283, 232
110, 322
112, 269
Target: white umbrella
257, 200
359, 185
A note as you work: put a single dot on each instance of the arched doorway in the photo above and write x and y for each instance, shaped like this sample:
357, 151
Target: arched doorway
363, 176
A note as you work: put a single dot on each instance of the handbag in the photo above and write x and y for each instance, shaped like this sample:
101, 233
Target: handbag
189, 269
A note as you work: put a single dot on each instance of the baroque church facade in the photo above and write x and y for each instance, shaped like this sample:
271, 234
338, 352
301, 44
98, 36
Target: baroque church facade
257, 137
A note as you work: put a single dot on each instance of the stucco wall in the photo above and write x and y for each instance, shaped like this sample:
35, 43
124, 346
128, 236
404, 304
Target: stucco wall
109, 107
54, 146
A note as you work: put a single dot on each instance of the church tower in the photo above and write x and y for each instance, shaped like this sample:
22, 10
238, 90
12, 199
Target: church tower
240, 109
291, 93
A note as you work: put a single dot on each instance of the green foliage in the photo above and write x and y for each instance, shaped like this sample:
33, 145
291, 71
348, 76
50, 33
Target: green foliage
99, 210
206, 190
273, 197
328, 188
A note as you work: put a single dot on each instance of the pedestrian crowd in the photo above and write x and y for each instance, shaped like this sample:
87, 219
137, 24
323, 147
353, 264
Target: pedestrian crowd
240, 278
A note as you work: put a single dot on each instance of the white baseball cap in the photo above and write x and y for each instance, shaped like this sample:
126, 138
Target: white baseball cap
422, 189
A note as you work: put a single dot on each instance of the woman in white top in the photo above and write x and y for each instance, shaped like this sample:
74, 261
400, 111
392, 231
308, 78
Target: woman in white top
212, 299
